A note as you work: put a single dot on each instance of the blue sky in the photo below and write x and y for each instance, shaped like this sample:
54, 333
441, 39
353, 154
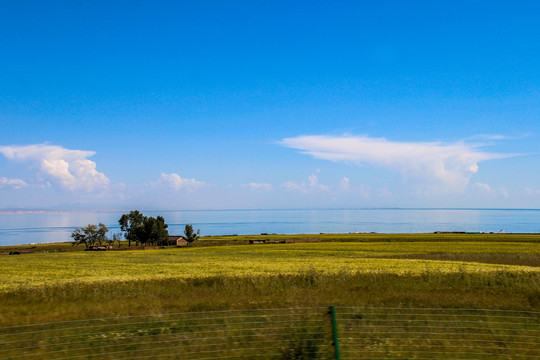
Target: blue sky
269, 104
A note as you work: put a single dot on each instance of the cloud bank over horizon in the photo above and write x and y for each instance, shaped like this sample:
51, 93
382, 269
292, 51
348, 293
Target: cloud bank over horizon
63, 168
175, 182
433, 172
432, 165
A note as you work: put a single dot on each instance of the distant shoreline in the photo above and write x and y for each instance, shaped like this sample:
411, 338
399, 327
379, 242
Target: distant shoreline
11, 212
6, 212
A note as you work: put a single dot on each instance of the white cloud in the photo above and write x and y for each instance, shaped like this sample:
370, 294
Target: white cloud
442, 166
384, 193
294, 186
311, 185
259, 186
364, 191
12, 183
486, 188
490, 137
532, 192
68, 169
344, 184
175, 182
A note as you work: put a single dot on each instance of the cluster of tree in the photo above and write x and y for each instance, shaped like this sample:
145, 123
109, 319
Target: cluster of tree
94, 235
136, 228
143, 230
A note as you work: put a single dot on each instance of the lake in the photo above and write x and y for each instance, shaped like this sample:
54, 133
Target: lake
25, 228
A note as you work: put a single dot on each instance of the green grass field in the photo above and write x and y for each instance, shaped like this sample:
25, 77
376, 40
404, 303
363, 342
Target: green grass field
392, 265
410, 258
478, 272
370, 237
245, 239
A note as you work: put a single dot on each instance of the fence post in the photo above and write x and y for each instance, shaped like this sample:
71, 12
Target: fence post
334, 332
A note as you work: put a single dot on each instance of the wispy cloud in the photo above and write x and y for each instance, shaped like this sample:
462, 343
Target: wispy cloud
483, 187
444, 166
258, 186
12, 183
489, 137
311, 185
532, 192
344, 184
67, 169
487, 189
175, 182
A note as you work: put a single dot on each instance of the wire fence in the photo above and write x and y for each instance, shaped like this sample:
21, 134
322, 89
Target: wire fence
400, 333
298, 333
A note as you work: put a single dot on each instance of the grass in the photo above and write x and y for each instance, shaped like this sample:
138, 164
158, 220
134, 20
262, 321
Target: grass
245, 239
370, 237
34, 270
428, 289
401, 271
526, 259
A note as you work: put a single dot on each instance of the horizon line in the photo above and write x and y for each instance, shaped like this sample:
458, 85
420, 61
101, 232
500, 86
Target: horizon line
30, 211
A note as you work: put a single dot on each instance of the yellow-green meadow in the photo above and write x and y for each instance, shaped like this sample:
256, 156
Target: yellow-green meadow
487, 271
31, 270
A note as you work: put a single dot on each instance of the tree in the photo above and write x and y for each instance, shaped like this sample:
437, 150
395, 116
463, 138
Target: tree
101, 234
155, 231
115, 238
90, 235
190, 235
132, 225
79, 237
144, 230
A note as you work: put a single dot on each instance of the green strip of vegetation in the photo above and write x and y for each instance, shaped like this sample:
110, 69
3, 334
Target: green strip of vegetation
246, 239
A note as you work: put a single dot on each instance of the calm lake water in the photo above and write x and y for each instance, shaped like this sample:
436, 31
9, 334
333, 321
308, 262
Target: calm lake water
53, 227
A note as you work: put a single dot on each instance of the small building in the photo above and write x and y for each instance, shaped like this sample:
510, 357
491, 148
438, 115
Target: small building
177, 240
267, 241
99, 248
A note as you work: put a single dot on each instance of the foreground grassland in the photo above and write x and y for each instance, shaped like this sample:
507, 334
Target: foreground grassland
42, 287
57, 283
